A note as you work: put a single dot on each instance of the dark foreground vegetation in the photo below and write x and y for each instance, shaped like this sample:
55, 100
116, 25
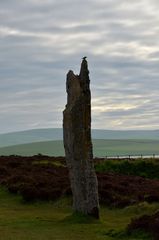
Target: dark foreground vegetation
46, 178
147, 223
122, 183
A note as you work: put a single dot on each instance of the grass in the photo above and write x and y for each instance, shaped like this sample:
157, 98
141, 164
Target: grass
46, 162
101, 148
55, 221
144, 168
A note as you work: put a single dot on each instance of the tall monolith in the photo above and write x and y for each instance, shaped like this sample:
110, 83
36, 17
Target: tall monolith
78, 143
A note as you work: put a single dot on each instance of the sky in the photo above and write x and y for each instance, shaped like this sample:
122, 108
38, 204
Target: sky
40, 41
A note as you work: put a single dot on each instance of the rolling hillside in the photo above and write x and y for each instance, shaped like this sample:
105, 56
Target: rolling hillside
101, 148
51, 134
30, 136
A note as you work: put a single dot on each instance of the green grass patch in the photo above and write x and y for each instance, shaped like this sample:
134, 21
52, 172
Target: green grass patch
143, 168
46, 162
56, 221
124, 235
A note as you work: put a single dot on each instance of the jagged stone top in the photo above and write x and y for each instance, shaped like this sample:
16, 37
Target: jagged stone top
77, 84
84, 75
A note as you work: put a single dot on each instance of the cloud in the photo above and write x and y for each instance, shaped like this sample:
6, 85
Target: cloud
41, 40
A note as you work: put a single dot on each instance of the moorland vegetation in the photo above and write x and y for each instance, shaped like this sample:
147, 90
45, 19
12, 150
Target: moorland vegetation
36, 200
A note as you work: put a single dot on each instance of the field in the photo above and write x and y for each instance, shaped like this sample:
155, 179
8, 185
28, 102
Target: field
101, 148
54, 221
35, 199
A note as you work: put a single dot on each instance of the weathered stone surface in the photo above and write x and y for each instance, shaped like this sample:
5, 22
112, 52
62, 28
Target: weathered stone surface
78, 144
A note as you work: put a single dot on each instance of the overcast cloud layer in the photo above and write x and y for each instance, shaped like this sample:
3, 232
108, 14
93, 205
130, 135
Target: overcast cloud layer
41, 40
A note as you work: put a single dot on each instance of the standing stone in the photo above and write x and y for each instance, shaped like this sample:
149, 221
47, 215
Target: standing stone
78, 144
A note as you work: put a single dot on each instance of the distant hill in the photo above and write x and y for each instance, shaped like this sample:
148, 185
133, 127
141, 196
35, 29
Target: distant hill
101, 148
30, 136
52, 134
125, 134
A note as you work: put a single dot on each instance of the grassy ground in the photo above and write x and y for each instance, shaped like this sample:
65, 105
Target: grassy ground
148, 168
54, 221
101, 148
